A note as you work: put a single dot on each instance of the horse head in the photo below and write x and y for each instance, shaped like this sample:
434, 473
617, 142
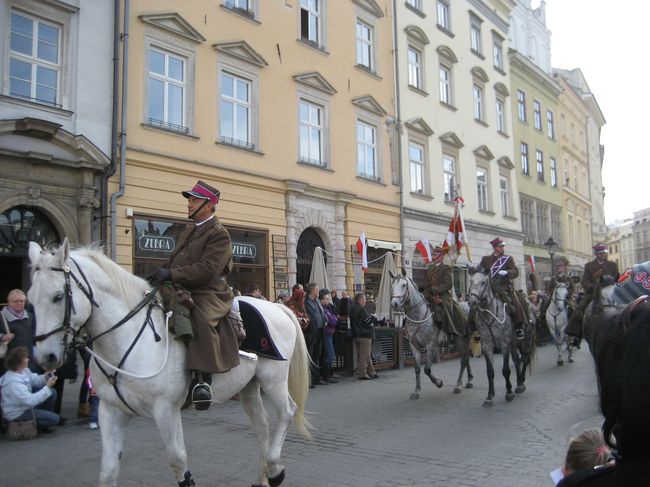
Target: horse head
399, 291
560, 294
59, 303
480, 289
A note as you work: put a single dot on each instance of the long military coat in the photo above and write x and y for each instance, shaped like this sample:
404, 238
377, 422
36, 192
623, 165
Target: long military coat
439, 283
200, 263
503, 284
593, 271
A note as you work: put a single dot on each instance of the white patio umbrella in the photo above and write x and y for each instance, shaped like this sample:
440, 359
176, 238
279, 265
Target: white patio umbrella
318, 270
384, 295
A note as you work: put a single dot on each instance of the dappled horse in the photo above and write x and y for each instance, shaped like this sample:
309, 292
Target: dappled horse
422, 332
495, 328
85, 300
556, 320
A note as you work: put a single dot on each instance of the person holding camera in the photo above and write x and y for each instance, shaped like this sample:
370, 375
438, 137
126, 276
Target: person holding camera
363, 324
19, 403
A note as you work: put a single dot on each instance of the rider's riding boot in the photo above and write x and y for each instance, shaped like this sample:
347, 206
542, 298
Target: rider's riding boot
202, 392
188, 399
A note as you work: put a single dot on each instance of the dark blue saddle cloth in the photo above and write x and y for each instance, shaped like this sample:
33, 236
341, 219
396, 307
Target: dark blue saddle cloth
258, 339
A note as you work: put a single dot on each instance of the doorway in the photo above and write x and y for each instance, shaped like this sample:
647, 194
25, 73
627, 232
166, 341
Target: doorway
307, 243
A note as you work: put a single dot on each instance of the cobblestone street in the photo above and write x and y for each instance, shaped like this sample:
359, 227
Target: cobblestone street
369, 434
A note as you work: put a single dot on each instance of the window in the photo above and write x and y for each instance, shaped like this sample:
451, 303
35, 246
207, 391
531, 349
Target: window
243, 7
521, 105
166, 96
505, 195
478, 102
482, 187
311, 133
449, 176
366, 151
523, 149
501, 116
549, 124
556, 224
497, 52
310, 21
543, 228
539, 158
364, 45
417, 4
475, 34
416, 166
444, 19
528, 219
415, 67
34, 60
445, 85
553, 167
235, 111
537, 114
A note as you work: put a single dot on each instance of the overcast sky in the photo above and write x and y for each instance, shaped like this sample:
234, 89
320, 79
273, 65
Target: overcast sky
608, 41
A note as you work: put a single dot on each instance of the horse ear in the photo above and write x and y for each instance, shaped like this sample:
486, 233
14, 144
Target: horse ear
403, 272
64, 251
35, 251
471, 270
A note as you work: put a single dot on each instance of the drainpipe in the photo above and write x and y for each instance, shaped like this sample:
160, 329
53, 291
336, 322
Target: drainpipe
125, 72
398, 126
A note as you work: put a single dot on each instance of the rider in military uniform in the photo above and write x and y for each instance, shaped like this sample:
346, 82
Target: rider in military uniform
446, 311
560, 276
502, 270
598, 267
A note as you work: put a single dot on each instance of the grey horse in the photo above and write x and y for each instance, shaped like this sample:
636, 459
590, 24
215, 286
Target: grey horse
495, 328
422, 332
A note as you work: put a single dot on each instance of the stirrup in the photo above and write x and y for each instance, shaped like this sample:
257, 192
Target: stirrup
202, 396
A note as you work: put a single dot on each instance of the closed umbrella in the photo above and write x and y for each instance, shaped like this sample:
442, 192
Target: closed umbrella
384, 295
318, 269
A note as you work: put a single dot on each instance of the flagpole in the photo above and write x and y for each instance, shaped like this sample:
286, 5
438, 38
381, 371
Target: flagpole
462, 224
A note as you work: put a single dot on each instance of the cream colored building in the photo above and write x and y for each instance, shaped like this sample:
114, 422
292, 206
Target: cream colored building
620, 239
456, 138
286, 107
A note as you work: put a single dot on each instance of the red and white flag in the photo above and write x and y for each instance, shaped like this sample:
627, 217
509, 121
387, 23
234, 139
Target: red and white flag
456, 235
362, 248
531, 260
425, 249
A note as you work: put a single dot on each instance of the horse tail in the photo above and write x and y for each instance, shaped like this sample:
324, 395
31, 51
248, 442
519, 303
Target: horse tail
299, 374
532, 350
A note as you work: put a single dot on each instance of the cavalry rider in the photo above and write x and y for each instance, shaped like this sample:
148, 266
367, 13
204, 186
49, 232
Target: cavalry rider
598, 267
445, 309
502, 270
199, 264
560, 276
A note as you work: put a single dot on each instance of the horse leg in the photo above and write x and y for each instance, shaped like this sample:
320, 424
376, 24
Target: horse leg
464, 364
251, 400
570, 349
506, 373
168, 420
559, 341
416, 356
113, 422
490, 375
521, 363
468, 355
427, 367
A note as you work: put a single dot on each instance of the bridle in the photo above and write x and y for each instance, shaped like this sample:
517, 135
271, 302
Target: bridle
406, 298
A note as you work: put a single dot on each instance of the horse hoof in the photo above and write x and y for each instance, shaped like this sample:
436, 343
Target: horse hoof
520, 389
469, 385
457, 390
415, 396
487, 403
438, 383
570, 360
510, 396
560, 363
277, 480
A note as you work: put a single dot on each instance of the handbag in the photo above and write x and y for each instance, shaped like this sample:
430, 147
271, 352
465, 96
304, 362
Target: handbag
4, 346
22, 430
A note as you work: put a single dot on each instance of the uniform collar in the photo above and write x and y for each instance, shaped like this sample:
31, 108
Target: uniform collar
204, 221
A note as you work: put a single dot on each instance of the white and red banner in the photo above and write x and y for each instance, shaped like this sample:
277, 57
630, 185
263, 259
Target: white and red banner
362, 248
456, 235
425, 250
531, 260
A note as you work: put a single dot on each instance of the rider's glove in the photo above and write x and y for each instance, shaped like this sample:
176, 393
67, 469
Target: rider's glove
503, 273
159, 275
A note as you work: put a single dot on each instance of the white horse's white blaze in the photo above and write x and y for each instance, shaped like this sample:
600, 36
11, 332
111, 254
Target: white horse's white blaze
556, 321
285, 382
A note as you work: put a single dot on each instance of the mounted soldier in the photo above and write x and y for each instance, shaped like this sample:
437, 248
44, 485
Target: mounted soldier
197, 270
446, 311
502, 270
560, 276
594, 270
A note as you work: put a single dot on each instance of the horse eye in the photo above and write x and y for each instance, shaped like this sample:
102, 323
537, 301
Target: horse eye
57, 297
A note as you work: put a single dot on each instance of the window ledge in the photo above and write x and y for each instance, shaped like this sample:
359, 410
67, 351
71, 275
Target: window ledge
446, 31
478, 54
370, 180
368, 71
481, 122
503, 134
190, 136
499, 70
314, 166
450, 203
33, 104
238, 147
487, 212
510, 218
527, 174
538, 130
313, 45
523, 122
449, 107
417, 90
239, 13
416, 11
422, 196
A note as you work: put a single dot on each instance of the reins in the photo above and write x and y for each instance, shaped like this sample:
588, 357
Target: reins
406, 298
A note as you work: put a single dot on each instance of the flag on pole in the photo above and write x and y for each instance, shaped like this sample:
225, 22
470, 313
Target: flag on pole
456, 235
531, 259
362, 248
425, 249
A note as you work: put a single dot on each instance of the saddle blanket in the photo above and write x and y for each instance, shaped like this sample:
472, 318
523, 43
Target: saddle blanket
258, 339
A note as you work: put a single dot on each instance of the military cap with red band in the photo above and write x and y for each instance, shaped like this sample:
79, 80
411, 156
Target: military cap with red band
497, 242
203, 191
600, 249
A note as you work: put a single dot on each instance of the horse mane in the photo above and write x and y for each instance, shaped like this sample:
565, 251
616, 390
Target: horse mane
131, 287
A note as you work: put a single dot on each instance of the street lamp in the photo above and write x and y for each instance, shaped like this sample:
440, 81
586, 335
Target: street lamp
551, 245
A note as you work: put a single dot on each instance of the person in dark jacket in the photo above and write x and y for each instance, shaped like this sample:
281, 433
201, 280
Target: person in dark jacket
315, 334
21, 324
329, 331
363, 324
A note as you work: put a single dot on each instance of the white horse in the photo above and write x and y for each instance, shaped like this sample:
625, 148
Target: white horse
139, 369
556, 320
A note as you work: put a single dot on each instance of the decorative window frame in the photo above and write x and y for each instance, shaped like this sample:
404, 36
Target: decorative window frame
419, 132
322, 43
370, 22
476, 23
506, 166
252, 14
501, 95
479, 80
417, 40
450, 145
498, 41
369, 112
447, 58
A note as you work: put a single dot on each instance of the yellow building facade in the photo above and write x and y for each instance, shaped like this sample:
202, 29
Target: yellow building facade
285, 107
